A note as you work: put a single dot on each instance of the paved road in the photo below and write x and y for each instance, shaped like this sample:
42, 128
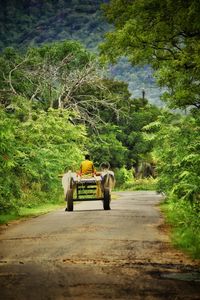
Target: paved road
90, 253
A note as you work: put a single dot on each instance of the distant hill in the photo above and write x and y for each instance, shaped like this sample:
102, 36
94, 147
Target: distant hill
34, 22
28, 23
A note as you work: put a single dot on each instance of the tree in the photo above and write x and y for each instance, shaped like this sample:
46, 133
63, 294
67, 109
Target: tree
176, 151
58, 75
140, 114
107, 147
164, 34
33, 153
119, 139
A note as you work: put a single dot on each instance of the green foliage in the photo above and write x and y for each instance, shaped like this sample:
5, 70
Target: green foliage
140, 113
145, 184
34, 153
177, 154
106, 147
186, 227
166, 35
159, 33
119, 139
55, 52
30, 24
47, 92
176, 151
38, 78
123, 176
125, 180
53, 97
9, 183
24, 212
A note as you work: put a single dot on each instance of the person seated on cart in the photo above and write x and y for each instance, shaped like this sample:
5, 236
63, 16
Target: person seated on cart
87, 170
87, 167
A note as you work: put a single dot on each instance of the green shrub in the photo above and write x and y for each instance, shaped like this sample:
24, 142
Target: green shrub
123, 176
185, 220
33, 154
144, 184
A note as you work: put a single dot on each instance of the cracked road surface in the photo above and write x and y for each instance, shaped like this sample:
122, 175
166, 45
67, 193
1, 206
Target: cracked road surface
90, 253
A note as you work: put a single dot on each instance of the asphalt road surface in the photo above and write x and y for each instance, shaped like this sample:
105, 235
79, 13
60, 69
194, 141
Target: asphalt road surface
123, 253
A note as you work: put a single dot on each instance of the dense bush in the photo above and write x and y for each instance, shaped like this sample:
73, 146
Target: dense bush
177, 145
123, 176
185, 218
34, 153
177, 152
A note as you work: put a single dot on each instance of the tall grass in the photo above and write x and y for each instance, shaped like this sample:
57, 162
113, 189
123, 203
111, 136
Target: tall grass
145, 184
26, 212
125, 180
184, 218
33, 204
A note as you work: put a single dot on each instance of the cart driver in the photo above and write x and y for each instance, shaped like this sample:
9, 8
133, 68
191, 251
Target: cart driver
87, 166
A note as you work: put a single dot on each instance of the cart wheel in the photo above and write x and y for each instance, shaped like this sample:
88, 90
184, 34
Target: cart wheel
106, 200
69, 199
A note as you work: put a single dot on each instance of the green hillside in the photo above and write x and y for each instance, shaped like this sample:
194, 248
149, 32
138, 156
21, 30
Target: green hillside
28, 23
35, 22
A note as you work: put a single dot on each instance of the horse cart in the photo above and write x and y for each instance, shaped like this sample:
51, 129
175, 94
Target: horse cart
88, 188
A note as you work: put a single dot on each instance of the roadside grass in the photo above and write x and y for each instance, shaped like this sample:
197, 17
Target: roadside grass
183, 218
185, 226
26, 212
145, 184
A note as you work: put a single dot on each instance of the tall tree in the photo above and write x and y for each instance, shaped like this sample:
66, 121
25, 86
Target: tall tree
165, 34
58, 75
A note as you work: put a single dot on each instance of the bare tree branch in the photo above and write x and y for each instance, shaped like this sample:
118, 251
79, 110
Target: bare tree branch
11, 72
80, 89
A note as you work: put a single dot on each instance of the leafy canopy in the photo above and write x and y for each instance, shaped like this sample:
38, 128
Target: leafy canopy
164, 34
176, 150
